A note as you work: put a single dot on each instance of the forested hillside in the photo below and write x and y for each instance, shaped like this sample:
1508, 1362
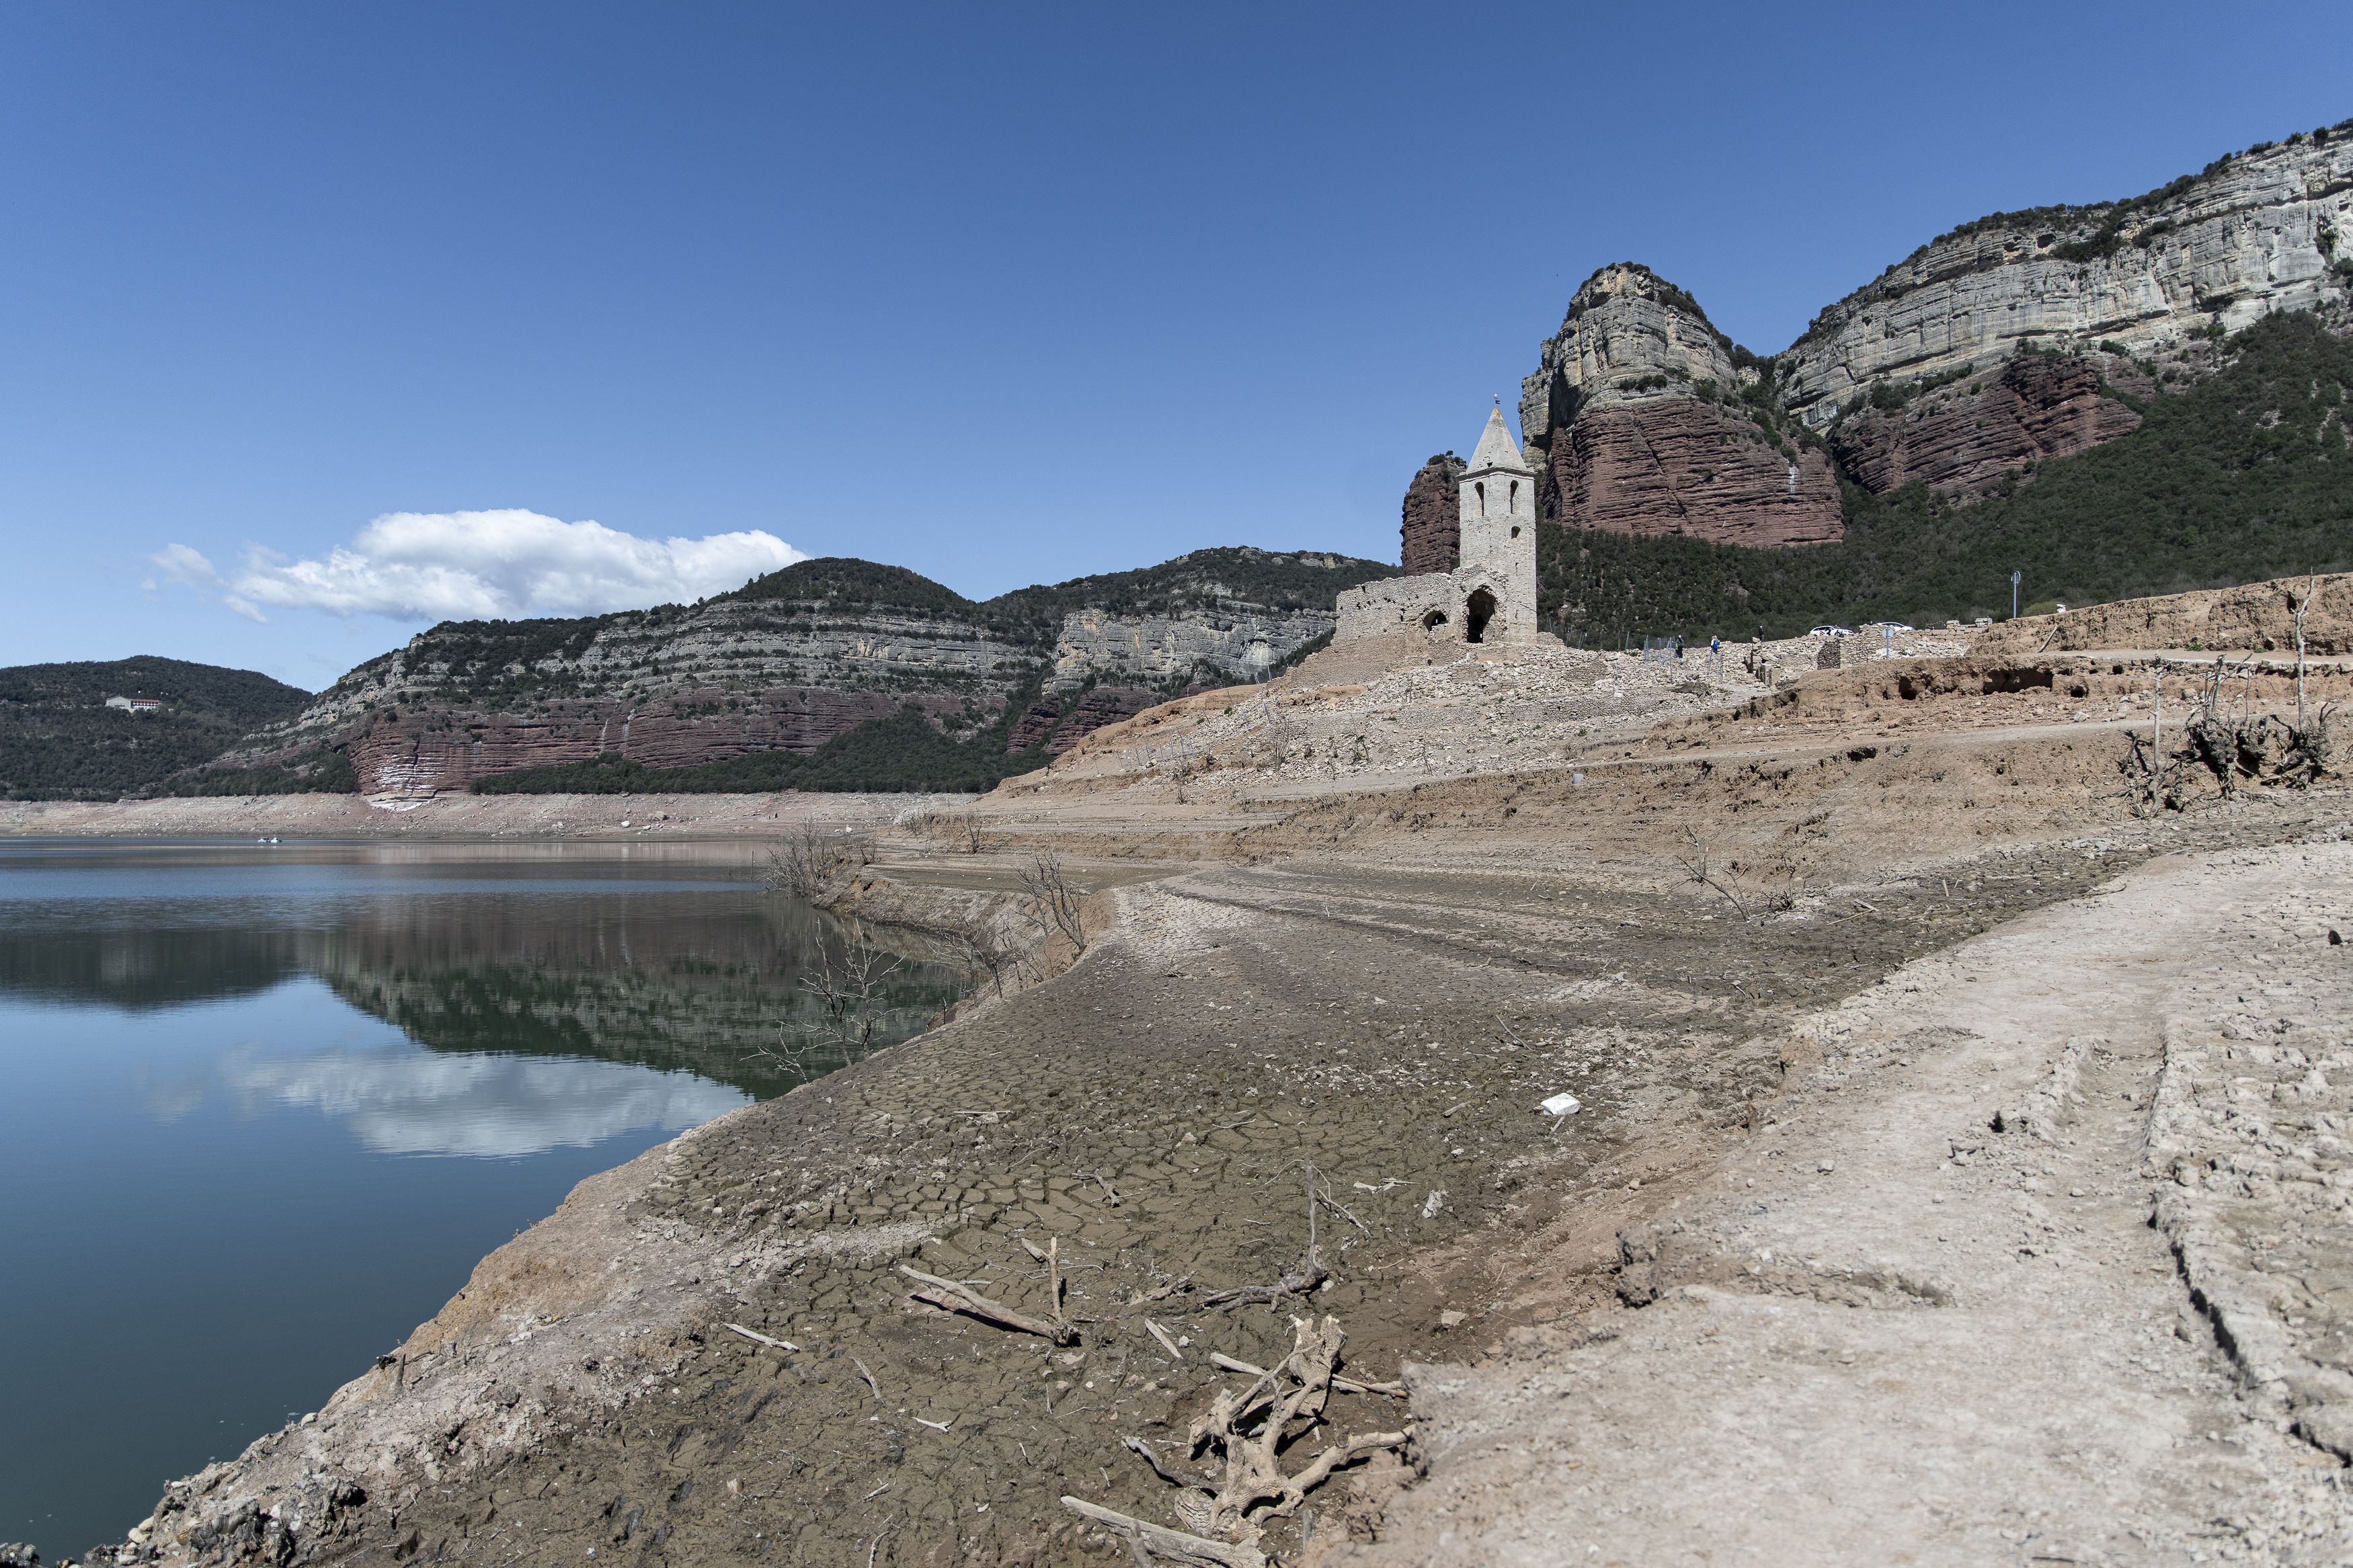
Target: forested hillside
60, 740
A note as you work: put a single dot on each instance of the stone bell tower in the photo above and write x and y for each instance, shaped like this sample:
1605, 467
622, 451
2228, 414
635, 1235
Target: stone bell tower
1499, 523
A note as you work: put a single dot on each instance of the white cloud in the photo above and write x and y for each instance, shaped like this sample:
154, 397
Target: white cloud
406, 1101
476, 565
179, 563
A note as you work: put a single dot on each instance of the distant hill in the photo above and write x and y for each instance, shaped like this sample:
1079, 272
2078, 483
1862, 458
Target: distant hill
60, 740
2243, 475
833, 673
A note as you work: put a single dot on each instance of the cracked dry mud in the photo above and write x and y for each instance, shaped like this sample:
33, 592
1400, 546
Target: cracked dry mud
1910, 1340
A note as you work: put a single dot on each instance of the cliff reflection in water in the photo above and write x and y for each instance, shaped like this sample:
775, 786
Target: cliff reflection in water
646, 979
696, 981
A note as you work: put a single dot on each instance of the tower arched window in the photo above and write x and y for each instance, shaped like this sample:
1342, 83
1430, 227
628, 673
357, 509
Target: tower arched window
1515, 495
1482, 488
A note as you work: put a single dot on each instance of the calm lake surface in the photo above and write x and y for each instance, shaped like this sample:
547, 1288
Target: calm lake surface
270, 1104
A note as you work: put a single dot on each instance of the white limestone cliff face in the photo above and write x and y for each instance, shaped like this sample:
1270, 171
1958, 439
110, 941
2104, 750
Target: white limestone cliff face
1157, 649
680, 686
2255, 233
646, 656
1630, 336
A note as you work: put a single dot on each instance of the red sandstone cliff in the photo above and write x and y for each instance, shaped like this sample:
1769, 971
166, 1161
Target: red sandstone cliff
1433, 526
1679, 466
1966, 437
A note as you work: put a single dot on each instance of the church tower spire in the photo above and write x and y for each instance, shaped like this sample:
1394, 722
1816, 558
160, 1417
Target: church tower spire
1498, 498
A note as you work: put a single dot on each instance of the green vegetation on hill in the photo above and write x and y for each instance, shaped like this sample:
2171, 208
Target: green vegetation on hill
2244, 476
902, 752
1277, 580
58, 741
846, 582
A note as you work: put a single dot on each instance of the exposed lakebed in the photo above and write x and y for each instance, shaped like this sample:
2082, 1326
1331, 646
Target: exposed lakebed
272, 1102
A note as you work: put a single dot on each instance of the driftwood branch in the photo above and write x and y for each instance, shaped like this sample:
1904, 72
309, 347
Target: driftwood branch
772, 1345
1139, 1446
1344, 1384
1252, 1488
1297, 1281
1173, 1545
949, 1296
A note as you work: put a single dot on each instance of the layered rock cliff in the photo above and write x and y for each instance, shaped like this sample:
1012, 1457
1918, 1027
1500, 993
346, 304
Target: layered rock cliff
2012, 340
1642, 418
1964, 438
798, 659
2256, 232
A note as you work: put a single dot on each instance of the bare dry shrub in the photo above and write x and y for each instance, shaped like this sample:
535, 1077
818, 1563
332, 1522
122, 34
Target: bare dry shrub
2261, 748
1054, 903
848, 989
807, 860
1754, 890
982, 946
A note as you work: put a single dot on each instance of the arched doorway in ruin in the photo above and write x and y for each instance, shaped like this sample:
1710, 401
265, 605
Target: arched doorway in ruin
1477, 611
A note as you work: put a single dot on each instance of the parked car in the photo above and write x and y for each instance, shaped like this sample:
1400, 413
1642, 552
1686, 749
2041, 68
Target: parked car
1831, 632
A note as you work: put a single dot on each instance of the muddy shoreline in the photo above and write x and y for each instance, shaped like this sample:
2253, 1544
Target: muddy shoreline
1157, 1107
1377, 986
632, 818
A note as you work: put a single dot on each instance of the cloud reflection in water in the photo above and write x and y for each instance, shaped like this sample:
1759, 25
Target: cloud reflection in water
404, 1102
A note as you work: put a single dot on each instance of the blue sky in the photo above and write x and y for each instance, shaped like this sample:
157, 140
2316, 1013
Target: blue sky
1004, 293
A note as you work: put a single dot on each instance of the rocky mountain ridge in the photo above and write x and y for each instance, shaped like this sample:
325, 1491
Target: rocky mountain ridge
2012, 342
793, 662
2009, 341
2251, 234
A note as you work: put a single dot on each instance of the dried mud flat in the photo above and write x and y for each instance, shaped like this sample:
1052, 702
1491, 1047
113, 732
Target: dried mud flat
1899, 1343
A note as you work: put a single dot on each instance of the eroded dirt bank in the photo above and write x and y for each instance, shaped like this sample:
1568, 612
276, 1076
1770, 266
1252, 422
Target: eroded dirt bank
1377, 980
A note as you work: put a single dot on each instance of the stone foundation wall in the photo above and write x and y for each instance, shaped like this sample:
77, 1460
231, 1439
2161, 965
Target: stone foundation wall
1407, 604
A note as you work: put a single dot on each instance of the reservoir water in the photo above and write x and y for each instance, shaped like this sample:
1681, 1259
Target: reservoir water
268, 1106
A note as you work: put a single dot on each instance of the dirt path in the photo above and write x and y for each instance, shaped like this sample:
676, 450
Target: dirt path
1880, 1330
